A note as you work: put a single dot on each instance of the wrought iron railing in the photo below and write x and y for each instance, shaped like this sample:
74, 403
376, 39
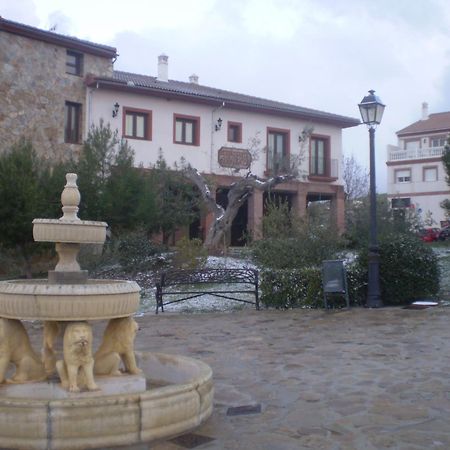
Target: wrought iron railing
324, 167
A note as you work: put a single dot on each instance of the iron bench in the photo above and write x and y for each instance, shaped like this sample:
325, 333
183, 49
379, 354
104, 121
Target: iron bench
188, 284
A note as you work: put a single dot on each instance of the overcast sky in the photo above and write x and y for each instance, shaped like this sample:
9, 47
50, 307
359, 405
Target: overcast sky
322, 54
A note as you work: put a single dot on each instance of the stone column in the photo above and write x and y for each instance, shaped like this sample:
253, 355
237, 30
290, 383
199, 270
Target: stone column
338, 209
299, 202
255, 213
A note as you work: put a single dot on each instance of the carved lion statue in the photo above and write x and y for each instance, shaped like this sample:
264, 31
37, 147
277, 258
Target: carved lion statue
117, 346
77, 369
15, 348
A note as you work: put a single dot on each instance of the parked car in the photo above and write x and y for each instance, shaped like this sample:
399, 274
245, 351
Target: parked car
444, 234
430, 234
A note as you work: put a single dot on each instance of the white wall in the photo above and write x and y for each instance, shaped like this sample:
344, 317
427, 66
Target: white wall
201, 157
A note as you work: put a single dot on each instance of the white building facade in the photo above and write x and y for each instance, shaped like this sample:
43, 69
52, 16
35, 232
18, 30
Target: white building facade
225, 135
416, 174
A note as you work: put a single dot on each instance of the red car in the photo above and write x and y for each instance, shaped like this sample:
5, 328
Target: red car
429, 234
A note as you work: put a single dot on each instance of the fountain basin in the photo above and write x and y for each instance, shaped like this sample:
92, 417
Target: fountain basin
70, 231
94, 300
99, 420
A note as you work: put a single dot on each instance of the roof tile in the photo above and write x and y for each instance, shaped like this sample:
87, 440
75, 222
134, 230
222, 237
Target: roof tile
219, 95
435, 123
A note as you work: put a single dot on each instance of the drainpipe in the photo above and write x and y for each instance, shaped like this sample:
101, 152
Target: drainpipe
88, 121
212, 135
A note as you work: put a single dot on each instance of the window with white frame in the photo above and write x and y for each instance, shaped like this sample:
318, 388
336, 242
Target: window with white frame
438, 141
430, 174
403, 176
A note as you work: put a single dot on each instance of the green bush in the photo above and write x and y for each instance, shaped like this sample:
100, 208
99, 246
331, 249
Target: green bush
291, 288
302, 288
408, 269
136, 252
190, 254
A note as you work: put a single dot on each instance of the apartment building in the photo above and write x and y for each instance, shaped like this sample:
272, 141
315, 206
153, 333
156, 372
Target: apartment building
416, 175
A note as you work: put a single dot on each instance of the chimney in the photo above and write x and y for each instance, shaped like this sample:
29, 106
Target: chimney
424, 111
193, 79
163, 68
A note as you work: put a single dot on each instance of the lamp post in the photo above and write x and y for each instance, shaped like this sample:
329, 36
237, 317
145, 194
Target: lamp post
371, 110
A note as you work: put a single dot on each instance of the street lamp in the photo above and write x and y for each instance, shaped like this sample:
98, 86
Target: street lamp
371, 110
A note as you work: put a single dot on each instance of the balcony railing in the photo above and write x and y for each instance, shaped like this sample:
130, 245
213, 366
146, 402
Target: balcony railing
324, 167
278, 165
398, 154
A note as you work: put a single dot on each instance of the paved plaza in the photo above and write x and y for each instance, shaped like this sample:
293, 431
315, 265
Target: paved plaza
341, 380
310, 379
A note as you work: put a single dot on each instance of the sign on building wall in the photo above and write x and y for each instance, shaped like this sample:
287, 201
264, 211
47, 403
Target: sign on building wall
234, 158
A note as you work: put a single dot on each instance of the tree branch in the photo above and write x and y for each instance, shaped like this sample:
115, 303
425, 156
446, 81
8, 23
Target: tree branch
210, 201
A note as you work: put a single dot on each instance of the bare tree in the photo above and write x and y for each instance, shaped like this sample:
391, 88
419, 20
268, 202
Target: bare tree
241, 190
356, 179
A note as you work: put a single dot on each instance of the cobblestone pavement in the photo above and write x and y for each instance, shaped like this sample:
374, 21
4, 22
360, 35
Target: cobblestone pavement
342, 380
357, 379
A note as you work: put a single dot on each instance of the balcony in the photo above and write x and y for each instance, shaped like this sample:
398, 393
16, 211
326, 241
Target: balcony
278, 165
397, 154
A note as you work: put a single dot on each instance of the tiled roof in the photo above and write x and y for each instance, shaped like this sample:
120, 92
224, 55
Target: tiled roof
55, 38
192, 91
435, 123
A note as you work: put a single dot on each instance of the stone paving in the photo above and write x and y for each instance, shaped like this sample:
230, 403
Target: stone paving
342, 380
349, 379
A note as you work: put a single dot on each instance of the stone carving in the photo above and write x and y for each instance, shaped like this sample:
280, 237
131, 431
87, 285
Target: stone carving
117, 346
76, 371
15, 348
51, 331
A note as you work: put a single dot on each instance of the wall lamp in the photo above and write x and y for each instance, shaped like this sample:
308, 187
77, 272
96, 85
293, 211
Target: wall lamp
115, 110
218, 124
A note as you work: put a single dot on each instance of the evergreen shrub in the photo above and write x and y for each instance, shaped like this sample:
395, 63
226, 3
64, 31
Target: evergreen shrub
409, 269
302, 288
190, 254
137, 252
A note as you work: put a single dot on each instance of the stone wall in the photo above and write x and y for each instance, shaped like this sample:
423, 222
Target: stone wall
33, 90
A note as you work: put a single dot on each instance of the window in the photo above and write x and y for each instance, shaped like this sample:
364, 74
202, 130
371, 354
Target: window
72, 120
430, 174
412, 145
74, 63
319, 156
401, 203
137, 123
277, 150
403, 176
234, 132
438, 141
186, 129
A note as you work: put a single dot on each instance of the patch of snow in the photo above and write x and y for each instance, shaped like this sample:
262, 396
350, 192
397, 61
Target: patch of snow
206, 302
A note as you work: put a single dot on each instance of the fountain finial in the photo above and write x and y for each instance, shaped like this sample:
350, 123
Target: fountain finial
70, 198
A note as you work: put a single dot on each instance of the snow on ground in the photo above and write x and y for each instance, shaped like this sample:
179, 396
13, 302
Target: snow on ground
206, 303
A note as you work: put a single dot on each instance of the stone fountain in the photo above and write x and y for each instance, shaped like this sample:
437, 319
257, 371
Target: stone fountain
78, 398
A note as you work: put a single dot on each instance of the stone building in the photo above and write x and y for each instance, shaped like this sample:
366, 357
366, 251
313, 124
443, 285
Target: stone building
42, 89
